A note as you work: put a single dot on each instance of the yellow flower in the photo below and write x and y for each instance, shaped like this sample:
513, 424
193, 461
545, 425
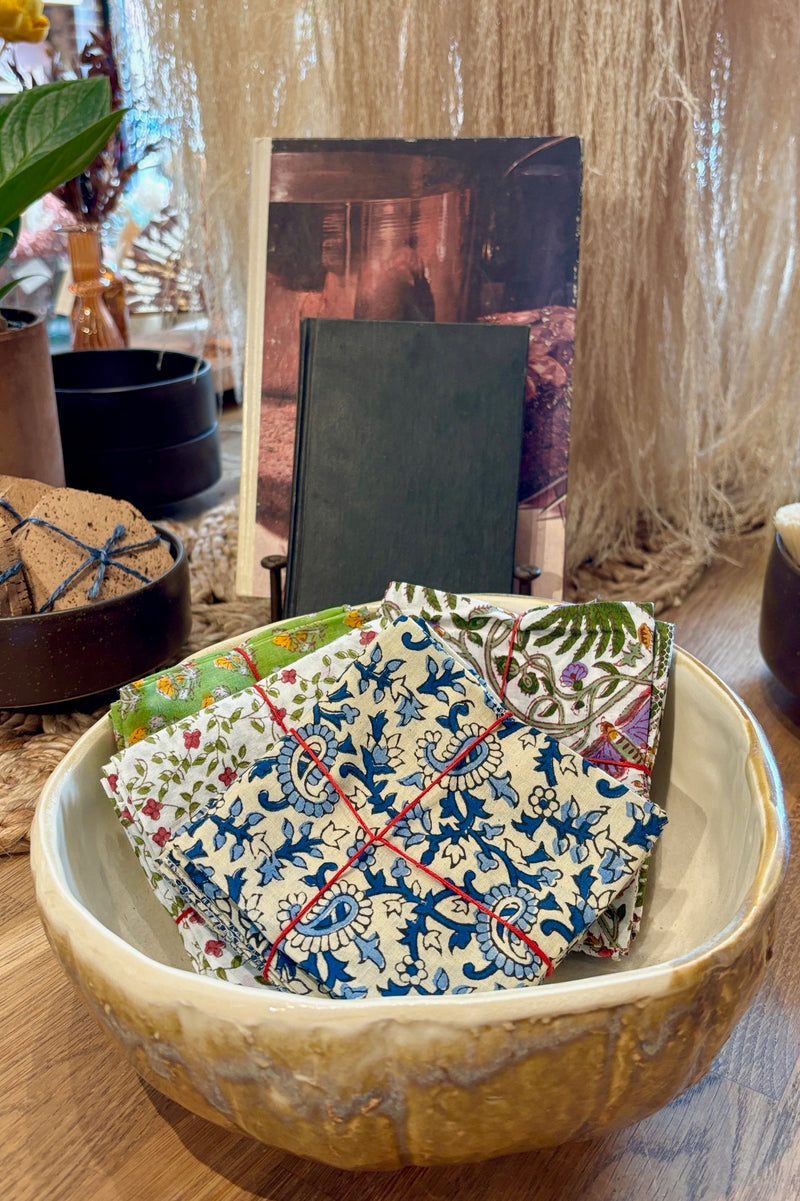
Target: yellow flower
354, 620
137, 735
292, 640
23, 21
166, 687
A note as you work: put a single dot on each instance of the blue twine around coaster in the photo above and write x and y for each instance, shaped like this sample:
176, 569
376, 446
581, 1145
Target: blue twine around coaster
103, 556
15, 568
9, 508
6, 575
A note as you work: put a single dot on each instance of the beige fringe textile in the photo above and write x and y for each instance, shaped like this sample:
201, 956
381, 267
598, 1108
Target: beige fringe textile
33, 744
687, 364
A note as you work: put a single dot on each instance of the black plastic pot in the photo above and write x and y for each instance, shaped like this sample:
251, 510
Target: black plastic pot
138, 424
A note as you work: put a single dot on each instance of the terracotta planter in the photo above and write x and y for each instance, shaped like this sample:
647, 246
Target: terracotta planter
30, 441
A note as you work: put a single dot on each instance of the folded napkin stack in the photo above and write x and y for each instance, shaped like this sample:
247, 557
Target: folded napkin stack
160, 781
447, 801
411, 836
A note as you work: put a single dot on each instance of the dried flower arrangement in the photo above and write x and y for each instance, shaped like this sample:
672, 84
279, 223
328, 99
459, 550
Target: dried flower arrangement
93, 195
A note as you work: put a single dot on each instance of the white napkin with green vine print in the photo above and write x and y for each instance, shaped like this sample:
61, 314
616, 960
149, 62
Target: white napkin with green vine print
593, 675
165, 779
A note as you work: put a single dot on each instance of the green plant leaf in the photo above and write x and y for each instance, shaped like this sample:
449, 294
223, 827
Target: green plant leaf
12, 283
48, 135
8, 239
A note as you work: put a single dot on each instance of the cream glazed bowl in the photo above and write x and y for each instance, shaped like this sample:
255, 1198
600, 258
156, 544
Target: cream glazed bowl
431, 1080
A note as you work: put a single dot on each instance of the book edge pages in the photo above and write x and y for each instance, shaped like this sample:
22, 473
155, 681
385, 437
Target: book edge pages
245, 582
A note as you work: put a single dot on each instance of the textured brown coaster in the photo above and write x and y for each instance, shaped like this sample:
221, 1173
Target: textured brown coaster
15, 599
62, 573
22, 495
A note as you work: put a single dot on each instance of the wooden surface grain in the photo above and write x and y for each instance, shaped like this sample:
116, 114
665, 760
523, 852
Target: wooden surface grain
77, 1123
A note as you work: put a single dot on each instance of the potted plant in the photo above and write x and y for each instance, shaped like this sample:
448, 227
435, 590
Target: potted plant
48, 135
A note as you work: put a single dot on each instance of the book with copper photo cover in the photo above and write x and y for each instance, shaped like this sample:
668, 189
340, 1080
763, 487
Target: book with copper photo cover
428, 230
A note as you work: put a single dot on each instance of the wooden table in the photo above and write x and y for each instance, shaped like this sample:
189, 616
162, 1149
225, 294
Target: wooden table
76, 1122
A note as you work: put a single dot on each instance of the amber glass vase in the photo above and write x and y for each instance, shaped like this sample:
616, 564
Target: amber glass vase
93, 325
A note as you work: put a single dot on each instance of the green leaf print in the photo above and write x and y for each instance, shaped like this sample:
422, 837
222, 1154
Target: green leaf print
432, 599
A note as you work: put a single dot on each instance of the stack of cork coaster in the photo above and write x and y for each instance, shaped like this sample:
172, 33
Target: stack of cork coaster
15, 600
17, 498
66, 548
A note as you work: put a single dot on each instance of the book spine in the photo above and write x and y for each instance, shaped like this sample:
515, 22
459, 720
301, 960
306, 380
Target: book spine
308, 332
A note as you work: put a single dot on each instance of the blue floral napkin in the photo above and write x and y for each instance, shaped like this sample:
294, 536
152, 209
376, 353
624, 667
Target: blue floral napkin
593, 675
410, 836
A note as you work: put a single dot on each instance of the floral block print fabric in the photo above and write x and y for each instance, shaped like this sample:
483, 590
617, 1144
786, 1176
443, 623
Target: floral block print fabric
593, 675
411, 836
168, 777
150, 704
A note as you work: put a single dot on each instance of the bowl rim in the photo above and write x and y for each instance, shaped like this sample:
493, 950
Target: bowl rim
787, 559
164, 985
201, 372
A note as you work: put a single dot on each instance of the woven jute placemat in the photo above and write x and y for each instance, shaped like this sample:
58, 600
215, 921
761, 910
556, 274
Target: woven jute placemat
33, 744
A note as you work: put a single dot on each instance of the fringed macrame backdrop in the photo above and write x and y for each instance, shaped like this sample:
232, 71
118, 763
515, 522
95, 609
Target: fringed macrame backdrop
686, 405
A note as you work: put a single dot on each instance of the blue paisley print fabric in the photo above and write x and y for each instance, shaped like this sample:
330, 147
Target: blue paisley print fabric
593, 675
409, 835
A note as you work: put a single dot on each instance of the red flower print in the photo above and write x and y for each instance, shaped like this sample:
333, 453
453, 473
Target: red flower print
279, 714
194, 916
191, 740
161, 836
289, 676
112, 783
214, 947
227, 776
366, 636
152, 808
126, 815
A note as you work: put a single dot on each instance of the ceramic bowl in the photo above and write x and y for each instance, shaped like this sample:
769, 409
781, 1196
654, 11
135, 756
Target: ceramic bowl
380, 1083
76, 655
779, 629
139, 424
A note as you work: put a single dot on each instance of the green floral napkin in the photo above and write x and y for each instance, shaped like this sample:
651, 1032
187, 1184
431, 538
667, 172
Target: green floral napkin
150, 704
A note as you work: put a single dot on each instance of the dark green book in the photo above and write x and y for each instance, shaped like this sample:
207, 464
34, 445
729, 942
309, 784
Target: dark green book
407, 456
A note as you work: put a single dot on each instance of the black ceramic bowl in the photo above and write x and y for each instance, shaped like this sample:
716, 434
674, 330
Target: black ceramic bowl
138, 424
133, 398
779, 628
53, 659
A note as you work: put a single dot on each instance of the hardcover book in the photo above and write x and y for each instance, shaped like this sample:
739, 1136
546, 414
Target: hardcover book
406, 458
439, 230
